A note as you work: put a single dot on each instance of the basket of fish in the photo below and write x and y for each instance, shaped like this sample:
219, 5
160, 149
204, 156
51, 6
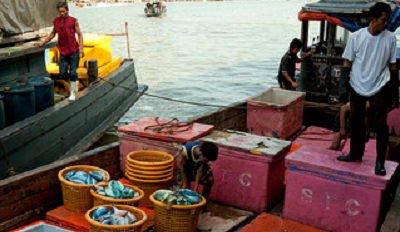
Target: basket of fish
112, 218
150, 158
177, 210
149, 187
76, 182
116, 193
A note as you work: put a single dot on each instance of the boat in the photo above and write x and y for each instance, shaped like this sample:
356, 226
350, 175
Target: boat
319, 76
155, 9
68, 127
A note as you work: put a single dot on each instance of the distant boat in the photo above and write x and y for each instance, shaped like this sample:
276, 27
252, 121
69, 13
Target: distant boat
155, 9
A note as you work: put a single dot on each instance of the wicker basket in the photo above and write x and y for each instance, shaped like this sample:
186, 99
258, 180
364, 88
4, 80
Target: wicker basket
148, 177
77, 197
102, 200
178, 218
146, 168
98, 227
149, 187
151, 173
150, 158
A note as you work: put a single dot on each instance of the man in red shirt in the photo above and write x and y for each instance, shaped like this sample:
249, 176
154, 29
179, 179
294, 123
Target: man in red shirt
70, 52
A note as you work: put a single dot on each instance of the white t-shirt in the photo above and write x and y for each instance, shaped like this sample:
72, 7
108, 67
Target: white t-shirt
371, 56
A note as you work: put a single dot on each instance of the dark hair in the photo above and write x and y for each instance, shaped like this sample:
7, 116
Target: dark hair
296, 43
62, 5
209, 150
376, 10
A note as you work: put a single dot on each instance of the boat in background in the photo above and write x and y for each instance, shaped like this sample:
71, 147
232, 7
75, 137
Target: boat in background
155, 9
65, 128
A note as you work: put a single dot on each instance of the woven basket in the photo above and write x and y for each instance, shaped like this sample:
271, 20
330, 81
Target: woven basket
77, 197
146, 168
149, 187
149, 158
177, 218
151, 173
98, 227
148, 177
102, 200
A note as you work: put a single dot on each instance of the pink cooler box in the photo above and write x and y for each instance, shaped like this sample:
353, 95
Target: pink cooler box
333, 195
394, 122
275, 113
370, 149
136, 138
316, 137
249, 171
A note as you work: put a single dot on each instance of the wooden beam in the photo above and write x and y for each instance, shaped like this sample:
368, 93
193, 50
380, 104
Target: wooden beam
22, 37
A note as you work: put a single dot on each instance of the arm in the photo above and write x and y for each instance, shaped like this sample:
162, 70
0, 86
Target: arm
80, 37
48, 38
299, 60
183, 171
199, 175
347, 63
288, 78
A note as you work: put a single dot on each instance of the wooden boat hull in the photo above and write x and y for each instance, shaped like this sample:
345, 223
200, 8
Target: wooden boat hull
68, 128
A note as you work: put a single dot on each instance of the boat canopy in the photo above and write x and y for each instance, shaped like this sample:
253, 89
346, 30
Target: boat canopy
349, 14
21, 16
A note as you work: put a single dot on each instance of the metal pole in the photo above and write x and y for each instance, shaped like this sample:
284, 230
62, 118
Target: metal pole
127, 39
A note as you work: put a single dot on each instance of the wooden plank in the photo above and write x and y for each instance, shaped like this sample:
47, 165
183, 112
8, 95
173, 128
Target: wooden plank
24, 49
22, 37
392, 222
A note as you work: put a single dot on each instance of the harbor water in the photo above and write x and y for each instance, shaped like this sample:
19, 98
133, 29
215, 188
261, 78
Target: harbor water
206, 52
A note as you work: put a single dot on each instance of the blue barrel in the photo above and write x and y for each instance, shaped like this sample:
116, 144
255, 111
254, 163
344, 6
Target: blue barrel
2, 113
19, 102
44, 91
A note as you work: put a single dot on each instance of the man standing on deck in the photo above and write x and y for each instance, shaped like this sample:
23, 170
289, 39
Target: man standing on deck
66, 27
287, 68
371, 56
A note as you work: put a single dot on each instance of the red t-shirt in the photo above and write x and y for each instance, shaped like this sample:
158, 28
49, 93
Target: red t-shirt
65, 29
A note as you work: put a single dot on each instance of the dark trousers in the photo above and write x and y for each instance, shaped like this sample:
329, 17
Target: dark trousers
379, 110
69, 66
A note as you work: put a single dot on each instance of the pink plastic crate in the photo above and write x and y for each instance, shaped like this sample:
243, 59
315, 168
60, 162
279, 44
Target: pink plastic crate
369, 151
316, 137
394, 122
275, 113
249, 171
333, 195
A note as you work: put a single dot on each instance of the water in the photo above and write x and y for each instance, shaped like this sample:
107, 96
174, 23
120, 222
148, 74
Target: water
207, 52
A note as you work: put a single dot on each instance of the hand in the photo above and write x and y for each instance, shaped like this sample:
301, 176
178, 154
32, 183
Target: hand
309, 53
184, 186
81, 53
38, 44
343, 132
295, 84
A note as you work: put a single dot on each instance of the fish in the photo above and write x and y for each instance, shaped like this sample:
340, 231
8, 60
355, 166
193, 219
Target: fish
106, 222
116, 185
99, 212
161, 194
98, 175
69, 174
191, 196
109, 192
91, 180
130, 218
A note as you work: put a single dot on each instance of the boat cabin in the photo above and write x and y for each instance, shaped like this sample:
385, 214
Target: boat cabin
326, 28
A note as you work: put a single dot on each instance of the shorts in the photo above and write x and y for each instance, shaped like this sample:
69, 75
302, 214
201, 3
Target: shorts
206, 180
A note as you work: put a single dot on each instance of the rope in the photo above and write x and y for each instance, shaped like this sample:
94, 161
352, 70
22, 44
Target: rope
159, 127
210, 105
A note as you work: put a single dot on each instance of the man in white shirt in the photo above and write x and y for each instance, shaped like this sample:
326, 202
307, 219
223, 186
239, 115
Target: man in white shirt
371, 57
